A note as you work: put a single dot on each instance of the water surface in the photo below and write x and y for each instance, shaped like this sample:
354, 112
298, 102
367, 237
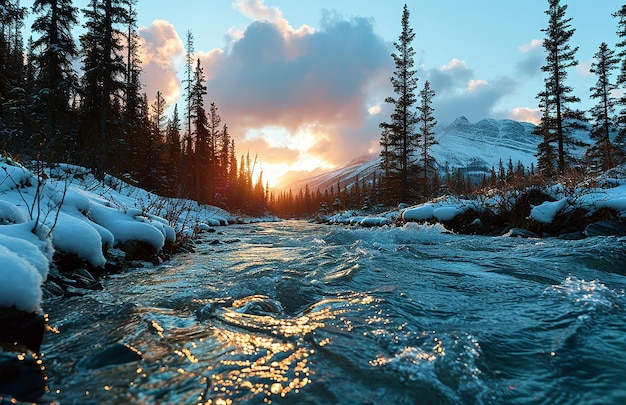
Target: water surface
298, 313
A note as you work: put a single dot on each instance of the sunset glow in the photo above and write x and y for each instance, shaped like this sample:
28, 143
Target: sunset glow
303, 86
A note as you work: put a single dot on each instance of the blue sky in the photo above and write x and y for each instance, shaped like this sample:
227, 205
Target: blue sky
302, 83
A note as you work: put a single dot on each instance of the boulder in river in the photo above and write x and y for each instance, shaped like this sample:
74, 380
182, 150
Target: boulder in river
111, 356
608, 227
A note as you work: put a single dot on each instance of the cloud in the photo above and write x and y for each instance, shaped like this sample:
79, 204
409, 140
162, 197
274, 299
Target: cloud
257, 11
584, 68
531, 46
315, 84
459, 92
526, 114
449, 78
160, 48
530, 65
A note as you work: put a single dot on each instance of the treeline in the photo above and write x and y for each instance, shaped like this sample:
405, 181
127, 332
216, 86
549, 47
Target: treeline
559, 119
97, 116
367, 193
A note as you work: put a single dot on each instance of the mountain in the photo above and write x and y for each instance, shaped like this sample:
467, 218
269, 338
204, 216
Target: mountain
472, 147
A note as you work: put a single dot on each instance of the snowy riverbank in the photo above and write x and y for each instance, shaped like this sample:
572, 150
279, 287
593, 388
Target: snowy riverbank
65, 211
591, 208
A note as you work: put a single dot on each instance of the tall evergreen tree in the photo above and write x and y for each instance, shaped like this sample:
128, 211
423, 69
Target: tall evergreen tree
158, 113
188, 83
427, 136
620, 140
546, 153
174, 153
399, 138
560, 57
603, 112
57, 82
133, 134
202, 156
103, 81
15, 124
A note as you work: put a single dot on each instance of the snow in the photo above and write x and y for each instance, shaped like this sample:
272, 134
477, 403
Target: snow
68, 210
442, 210
546, 212
611, 195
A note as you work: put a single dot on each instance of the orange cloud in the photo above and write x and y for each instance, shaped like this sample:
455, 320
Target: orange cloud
526, 114
258, 11
161, 47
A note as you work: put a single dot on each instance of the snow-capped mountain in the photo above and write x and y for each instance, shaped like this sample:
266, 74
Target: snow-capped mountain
482, 145
472, 147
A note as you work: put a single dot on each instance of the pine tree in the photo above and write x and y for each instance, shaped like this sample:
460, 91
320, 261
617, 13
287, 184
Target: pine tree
158, 113
546, 154
201, 131
603, 112
53, 53
132, 133
103, 82
189, 83
399, 138
620, 140
174, 153
15, 123
560, 57
427, 136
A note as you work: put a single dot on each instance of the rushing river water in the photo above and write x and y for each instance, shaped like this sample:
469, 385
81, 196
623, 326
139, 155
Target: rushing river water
297, 313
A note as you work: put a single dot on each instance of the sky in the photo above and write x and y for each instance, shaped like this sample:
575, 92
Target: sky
302, 84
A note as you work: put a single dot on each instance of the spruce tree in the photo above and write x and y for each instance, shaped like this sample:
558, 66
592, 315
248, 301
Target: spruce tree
56, 81
620, 140
174, 154
603, 112
427, 139
560, 57
103, 82
200, 124
15, 123
399, 137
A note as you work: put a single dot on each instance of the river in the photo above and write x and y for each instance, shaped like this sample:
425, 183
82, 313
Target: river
299, 313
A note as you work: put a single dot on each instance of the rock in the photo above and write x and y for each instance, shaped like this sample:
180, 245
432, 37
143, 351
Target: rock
84, 277
111, 356
522, 233
138, 250
573, 236
21, 378
71, 291
156, 260
51, 289
609, 227
18, 328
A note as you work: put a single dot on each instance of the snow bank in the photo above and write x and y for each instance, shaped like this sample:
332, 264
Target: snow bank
547, 211
444, 210
83, 223
590, 200
24, 263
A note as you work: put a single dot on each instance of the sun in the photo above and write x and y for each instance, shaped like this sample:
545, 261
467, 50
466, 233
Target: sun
272, 173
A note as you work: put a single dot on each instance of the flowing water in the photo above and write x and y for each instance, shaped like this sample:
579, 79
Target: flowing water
298, 313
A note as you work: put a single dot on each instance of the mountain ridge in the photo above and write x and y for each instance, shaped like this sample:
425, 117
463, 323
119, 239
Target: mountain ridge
474, 147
